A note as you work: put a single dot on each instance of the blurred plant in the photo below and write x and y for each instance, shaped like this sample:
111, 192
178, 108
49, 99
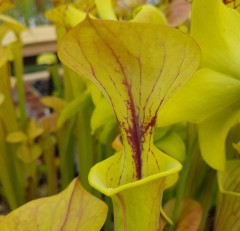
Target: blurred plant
50, 60
214, 103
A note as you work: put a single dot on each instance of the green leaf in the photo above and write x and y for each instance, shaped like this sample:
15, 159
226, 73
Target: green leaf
72, 108
36, 152
215, 27
102, 114
29, 152
204, 95
33, 131
72, 209
47, 142
107, 132
228, 207
213, 133
95, 94
173, 145
160, 132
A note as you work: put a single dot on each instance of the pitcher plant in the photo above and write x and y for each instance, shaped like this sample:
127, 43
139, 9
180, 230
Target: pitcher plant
138, 66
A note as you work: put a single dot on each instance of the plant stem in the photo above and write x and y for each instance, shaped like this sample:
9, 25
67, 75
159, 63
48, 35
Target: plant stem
32, 181
58, 91
208, 196
9, 124
108, 225
85, 144
18, 71
52, 182
199, 169
66, 151
5, 176
191, 144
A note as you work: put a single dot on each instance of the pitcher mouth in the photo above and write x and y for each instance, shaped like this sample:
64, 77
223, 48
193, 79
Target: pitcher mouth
97, 175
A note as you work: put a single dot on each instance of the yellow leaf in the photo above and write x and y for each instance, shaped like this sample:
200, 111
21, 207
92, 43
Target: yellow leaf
48, 123
47, 58
72, 209
228, 207
5, 5
57, 104
204, 95
149, 14
12, 23
107, 176
215, 27
3, 56
16, 137
29, 152
33, 131
117, 143
1, 98
138, 66
105, 9
3, 30
56, 14
73, 16
213, 134
66, 14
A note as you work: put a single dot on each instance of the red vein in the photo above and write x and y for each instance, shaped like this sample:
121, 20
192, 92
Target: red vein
68, 207
133, 132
